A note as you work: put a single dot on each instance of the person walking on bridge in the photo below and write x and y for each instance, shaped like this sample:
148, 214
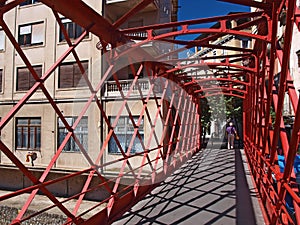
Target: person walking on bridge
231, 132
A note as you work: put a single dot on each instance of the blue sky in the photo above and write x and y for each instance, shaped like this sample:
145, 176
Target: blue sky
193, 9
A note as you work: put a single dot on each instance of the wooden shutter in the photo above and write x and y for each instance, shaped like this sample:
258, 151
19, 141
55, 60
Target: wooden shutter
38, 70
65, 76
22, 79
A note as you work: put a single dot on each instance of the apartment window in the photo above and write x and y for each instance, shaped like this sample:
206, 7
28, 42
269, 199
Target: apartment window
124, 131
298, 55
245, 43
1, 77
81, 133
25, 79
70, 75
73, 30
28, 133
28, 2
31, 34
2, 40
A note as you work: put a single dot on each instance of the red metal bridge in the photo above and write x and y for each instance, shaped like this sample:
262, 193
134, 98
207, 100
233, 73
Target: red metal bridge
177, 89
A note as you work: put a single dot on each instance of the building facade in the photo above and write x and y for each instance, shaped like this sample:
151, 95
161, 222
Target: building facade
36, 129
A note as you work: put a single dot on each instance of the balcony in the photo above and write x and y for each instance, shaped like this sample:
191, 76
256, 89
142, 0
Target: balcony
112, 90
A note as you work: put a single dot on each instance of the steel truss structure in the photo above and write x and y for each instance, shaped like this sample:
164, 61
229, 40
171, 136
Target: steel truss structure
247, 73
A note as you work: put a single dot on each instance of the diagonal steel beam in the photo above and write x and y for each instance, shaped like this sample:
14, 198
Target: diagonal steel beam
85, 16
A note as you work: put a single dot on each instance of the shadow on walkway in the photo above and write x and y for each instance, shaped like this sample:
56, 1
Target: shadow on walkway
211, 188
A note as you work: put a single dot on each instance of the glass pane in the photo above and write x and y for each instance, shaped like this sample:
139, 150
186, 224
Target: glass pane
35, 121
25, 138
32, 138
19, 137
71, 30
37, 36
38, 138
22, 121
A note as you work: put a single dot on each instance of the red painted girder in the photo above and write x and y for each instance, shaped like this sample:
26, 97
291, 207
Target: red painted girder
203, 58
221, 79
290, 88
85, 16
193, 22
217, 89
216, 36
224, 94
132, 12
297, 17
9, 6
209, 65
282, 87
200, 43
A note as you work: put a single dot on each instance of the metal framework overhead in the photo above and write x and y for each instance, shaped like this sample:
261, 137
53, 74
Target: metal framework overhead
176, 84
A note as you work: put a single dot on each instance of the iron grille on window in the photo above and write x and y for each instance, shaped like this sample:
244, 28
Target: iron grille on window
28, 133
73, 30
124, 131
81, 133
25, 79
31, 34
70, 75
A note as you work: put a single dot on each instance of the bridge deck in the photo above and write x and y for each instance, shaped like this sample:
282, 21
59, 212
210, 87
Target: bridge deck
214, 187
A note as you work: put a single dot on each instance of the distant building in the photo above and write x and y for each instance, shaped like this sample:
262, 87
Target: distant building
202, 52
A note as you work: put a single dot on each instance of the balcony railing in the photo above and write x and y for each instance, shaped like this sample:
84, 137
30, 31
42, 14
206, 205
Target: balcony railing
112, 90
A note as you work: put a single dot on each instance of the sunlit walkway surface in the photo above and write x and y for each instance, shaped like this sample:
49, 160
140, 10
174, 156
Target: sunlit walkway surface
214, 187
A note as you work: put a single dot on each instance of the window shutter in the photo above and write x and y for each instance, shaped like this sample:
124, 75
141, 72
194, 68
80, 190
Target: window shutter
79, 80
38, 70
22, 79
66, 76
37, 33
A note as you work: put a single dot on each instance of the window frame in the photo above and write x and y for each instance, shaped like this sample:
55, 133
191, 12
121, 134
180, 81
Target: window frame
298, 58
3, 38
31, 81
81, 133
70, 26
75, 83
37, 135
128, 133
25, 39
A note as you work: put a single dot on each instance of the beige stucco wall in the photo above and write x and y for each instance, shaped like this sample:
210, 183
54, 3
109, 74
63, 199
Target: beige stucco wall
38, 105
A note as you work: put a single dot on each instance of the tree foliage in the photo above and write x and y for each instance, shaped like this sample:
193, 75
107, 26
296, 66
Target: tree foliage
220, 108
